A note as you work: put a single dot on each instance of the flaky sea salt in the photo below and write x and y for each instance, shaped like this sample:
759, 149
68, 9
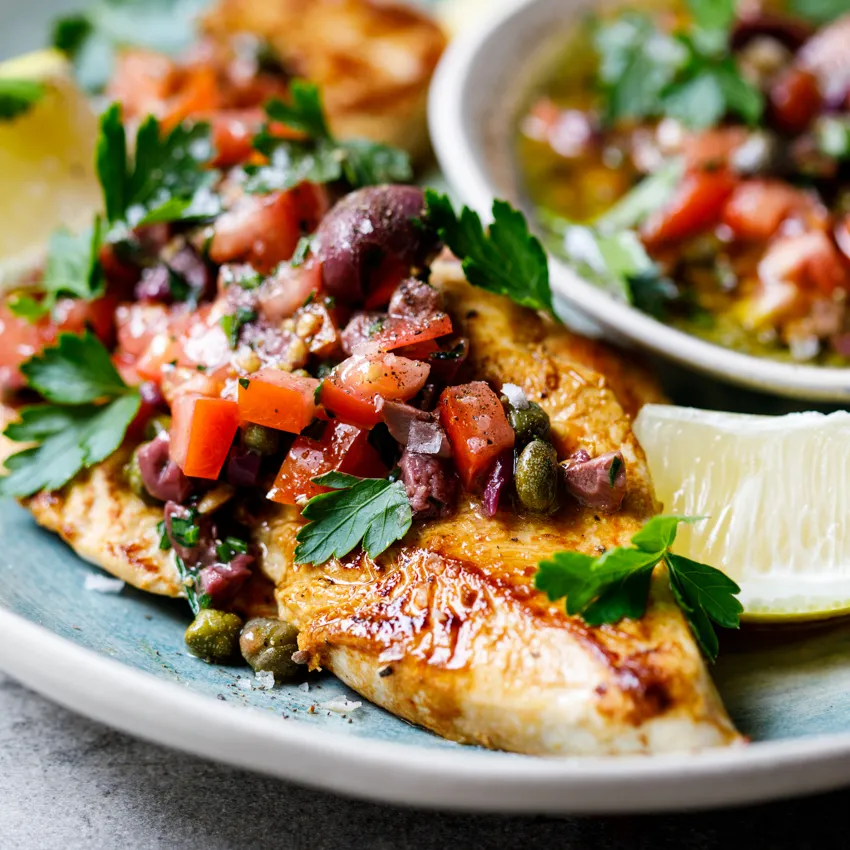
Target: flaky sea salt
515, 396
103, 584
304, 686
341, 705
264, 680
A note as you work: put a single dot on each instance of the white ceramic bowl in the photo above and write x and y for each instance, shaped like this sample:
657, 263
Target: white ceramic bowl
477, 96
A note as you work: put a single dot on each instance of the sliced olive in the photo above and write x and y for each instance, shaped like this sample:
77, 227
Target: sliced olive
214, 635
529, 423
267, 645
536, 477
259, 439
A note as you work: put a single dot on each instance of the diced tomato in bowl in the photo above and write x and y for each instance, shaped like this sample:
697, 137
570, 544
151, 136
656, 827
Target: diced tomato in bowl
477, 427
341, 447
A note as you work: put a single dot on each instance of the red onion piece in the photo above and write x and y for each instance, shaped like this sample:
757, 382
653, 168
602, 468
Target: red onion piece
243, 468
501, 475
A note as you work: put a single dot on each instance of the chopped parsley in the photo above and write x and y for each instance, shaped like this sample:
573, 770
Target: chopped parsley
229, 548
505, 259
185, 530
302, 249
189, 578
373, 512
233, 323
88, 412
319, 156
688, 75
819, 11
164, 539
616, 584
18, 96
167, 178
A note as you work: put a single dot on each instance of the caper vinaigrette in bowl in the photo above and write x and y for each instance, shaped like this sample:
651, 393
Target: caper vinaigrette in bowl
694, 160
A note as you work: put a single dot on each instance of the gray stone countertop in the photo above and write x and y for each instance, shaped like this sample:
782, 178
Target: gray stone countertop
68, 782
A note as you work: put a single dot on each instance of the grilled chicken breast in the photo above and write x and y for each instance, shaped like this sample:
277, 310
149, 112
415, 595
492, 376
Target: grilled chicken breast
447, 631
372, 60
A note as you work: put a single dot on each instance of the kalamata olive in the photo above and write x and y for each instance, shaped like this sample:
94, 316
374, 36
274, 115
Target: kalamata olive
267, 645
536, 477
369, 229
214, 635
529, 423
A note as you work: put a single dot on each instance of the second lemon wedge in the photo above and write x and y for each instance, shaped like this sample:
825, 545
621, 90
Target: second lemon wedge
776, 491
47, 175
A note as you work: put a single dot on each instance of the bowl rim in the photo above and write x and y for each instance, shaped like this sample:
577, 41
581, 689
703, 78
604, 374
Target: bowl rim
457, 143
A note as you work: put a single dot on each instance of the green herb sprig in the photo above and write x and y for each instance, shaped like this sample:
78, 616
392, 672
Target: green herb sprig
319, 157
506, 258
88, 411
688, 75
616, 584
373, 512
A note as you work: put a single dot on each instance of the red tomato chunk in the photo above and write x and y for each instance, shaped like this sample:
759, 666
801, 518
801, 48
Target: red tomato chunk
477, 427
277, 399
341, 447
202, 431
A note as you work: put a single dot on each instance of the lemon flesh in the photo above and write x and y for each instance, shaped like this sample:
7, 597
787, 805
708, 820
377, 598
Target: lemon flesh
776, 491
47, 174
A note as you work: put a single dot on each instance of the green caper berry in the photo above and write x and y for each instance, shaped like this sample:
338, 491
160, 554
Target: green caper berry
157, 425
530, 423
214, 635
267, 645
133, 477
536, 477
259, 439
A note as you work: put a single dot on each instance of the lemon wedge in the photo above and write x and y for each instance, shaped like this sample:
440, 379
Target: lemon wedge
47, 175
776, 491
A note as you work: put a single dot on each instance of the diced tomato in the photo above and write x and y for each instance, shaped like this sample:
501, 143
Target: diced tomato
202, 340
137, 324
341, 447
712, 149
288, 289
264, 229
810, 261
20, 339
354, 389
232, 133
396, 333
197, 92
695, 206
181, 381
757, 208
278, 399
477, 427
142, 81
795, 99
419, 350
384, 282
202, 431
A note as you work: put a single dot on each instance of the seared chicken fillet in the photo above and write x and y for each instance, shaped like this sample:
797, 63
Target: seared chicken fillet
372, 60
447, 631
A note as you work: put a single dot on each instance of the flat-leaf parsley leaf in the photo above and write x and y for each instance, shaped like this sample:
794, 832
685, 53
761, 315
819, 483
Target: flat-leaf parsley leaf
373, 511
616, 584
505, 259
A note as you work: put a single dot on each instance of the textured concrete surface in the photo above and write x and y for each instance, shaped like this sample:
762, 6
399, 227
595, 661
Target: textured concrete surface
67, 782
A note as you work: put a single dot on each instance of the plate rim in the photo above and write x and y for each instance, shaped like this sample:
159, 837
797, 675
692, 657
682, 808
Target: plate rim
458, 140
174, 715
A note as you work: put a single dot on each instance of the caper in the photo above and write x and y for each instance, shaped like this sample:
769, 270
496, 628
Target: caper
536, 477
134, 479
529, 423
259, 439
156, 425
214, 635
267, 645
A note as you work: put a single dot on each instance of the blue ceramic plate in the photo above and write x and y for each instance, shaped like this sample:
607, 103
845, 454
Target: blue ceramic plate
120, 658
